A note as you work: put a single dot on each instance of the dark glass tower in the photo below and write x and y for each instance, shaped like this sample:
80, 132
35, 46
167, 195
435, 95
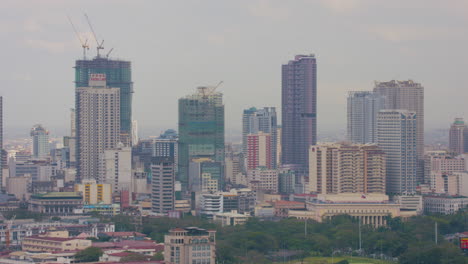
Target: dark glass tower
201, 130
299, 110
118, 75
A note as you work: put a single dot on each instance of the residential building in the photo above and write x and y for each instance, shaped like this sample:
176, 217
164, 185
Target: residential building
201, 130
397, 137
205, 175
299, 109
40, 142
94, 193
97, 123
116, 168
458, 137
119, 76
363, 107
444, 204
190, 245
259, 152
2, 165
261, 120
407, 95
287, 180
346, 168
163, 182
263, 179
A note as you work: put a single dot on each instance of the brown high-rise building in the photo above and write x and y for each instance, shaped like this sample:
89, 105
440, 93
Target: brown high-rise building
346, 168
458, 137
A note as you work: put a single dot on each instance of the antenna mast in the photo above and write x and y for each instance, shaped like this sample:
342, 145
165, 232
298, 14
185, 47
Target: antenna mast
99, 45
84, 44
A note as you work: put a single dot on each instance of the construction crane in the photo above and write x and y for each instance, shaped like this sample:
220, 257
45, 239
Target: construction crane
84, 44
208, 90
7, 232
100, 46
108, 53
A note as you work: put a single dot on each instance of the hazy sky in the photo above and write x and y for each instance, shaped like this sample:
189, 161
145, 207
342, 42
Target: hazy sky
176, 46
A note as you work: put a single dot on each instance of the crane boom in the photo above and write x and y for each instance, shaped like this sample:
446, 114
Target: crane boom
84, 44
99, 46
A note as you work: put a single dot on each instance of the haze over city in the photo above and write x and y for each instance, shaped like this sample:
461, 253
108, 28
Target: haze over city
176, 46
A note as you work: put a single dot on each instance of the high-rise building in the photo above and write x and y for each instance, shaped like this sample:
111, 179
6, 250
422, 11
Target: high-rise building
260, 120
116, 168
397, 137
119, 75
1, 140
40, 142
201, 129
362, 116
299, 109
407, 95
163, 182
190, 245
97, 124
263, 179
259, 153
346, 168
458, 137
94, 193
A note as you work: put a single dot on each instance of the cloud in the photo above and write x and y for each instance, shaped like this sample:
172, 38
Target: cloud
403, 33
266, 9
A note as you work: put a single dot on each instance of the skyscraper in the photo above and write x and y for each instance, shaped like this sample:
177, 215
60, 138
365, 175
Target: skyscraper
259, 153
362, 116
40, 141
458, 137
407, 95
397, 137
97, 109
1, 139
163, 182
201, 129
299, 109
260, 120
119, 75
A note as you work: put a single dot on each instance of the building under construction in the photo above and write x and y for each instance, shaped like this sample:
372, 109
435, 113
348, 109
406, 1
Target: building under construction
119, 75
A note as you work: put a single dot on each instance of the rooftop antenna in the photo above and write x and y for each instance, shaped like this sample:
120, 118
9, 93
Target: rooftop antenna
84, 44
99, 46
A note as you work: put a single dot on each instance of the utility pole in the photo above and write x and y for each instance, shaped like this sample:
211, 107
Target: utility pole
435, 233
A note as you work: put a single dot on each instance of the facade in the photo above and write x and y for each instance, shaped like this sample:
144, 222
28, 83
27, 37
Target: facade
102, 209
373, 209
259, 151
97, 124
231, 218
201, 130
163, 182
94, 193
41, 243
40, 142
397, 137
362, 116
346, 168
299, 109
407, 95
116, 168
263, 179
205, 175
190, 245
458, 137
261, 120
287, 180
1, 138
19, 186
210, 204
119, 75
444, 204
55, 203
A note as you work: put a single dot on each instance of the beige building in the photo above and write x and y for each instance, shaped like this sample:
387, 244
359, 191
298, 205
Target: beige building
346, 168
372, 209
53, 242
116, 168
19, 186
94, 193
262, 179
190, 245
231, 218
55, 203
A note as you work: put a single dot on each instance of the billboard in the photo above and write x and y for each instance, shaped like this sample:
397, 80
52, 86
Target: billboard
464, 242
97, 79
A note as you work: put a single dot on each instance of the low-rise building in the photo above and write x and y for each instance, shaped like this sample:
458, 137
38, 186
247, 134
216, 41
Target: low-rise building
190, 245
444, 204
104, 209
231, 218
55, 203
52, 242
282, 207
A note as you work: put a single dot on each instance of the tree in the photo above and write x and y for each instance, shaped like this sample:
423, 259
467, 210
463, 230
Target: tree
158, 256
89, 254
134, 257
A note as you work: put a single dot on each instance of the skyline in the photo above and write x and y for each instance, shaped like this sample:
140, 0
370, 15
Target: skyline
253, 33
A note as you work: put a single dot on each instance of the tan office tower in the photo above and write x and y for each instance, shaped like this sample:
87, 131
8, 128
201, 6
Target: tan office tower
98, 124
346, 168
190, 245
407, 95
458, 137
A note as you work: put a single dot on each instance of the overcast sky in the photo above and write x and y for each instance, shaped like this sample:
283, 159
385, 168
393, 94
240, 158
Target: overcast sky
176, 46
